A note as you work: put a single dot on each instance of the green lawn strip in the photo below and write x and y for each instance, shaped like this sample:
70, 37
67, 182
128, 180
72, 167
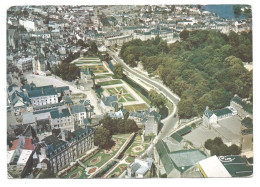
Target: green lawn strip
79, 168
106, 83
136, 107
141, 95
121, 136
103, 76
116, 172
132, 153
104, 158
130, 159
129, 97
111, 91
121, 100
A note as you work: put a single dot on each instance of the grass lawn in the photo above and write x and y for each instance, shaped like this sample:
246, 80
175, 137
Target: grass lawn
136, 107
132, 153
103, 76
82, 176
119, 169
121, 136
130, 159
112, 91
121, 88
121, 100
112, 82
104, 157
129, 97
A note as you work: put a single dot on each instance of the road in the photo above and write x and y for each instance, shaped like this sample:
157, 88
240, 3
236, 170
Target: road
171, 121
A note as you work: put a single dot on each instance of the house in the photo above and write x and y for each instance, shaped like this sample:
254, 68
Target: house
209, 117
148, 119
212, 117
20, 102
43, 95
61, 118
78, 113
116, 115
109, 103
176, 163
61, 152
244, 108
19, 155
140, 168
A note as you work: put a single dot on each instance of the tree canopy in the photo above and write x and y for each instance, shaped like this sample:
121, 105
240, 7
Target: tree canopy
204, 69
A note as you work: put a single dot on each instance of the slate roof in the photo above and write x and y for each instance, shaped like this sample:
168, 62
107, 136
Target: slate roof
163, 151
236, 166
184, 131
56, 114
222, 112
208, 113
247, 122
177, 137
246, 106
67, 99
81, 133
184, 159
42, 92
60, 89
109, 100
75, 109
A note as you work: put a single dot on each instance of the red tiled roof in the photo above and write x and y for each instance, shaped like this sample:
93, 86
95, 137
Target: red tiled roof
15, 143
28, 144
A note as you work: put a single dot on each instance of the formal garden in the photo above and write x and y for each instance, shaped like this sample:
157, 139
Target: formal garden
117, 171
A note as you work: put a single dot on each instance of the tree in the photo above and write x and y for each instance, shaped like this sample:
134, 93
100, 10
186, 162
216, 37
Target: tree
81, 43
184, 34
156, 99
102, 138
93, 47
234, 149
130, 59
131, 126
118, 71
185, 108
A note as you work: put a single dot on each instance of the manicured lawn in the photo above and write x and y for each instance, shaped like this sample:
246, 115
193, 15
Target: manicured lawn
112, 91
136, 107
79, 169
110, 82
121, 100
104, 157
121, 88
130, 159
129, 97
103, 76
119, 136
119, 169
134, 146
122, 94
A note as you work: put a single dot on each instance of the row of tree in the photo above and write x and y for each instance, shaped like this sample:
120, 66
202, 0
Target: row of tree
109, 127
204, 69
218, 148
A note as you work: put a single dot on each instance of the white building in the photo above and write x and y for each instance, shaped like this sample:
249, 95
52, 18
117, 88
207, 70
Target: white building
43, 96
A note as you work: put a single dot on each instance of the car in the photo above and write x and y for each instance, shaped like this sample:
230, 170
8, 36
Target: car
174, 116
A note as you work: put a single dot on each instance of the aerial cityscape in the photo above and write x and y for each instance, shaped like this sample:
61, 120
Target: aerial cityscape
129, 91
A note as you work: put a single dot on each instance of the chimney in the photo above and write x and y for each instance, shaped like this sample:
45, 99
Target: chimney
207, 108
